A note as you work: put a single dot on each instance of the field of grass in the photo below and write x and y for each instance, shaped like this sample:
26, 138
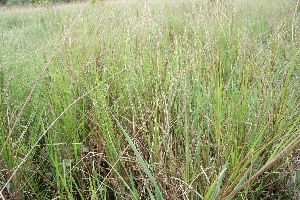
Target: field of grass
149, 100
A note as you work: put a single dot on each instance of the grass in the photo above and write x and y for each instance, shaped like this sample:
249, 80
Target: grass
172, 100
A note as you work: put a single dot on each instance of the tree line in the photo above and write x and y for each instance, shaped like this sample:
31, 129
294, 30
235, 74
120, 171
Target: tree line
20, 2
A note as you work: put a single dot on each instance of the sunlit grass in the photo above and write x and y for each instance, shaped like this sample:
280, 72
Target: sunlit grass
128, 100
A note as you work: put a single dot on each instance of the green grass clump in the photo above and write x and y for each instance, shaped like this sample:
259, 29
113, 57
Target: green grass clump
123, 100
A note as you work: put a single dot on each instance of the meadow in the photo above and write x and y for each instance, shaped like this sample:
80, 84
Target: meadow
150, 100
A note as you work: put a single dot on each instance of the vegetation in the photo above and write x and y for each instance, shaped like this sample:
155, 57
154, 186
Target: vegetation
123, 100
32, 2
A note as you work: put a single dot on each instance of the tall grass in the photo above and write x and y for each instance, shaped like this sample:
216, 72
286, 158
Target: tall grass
172, 100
